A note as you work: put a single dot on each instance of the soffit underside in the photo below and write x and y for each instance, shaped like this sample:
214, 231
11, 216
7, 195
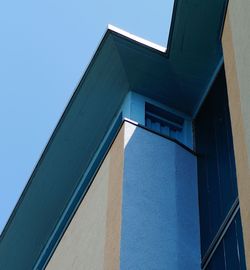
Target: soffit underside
177, 78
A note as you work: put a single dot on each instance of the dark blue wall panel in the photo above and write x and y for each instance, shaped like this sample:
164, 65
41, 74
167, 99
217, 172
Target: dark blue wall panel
217, 180
216, 165
230, 253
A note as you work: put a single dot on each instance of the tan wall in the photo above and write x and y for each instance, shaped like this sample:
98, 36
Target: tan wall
92, 240
236, 48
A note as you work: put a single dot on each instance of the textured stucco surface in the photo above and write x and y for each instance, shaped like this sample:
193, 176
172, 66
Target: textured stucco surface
114, 210
236, 48
238, 18
160, 220
92, 240
141, 211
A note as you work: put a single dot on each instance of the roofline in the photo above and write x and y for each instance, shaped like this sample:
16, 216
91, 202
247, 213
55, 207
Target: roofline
110, 29
113, 32
54, 132
138, 39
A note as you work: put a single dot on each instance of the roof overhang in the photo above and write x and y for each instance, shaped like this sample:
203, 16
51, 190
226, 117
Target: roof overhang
178, 77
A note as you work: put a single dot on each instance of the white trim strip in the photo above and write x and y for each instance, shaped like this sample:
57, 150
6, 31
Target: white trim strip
137, 39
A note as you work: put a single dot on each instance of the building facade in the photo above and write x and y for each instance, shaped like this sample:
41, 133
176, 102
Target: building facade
148, 167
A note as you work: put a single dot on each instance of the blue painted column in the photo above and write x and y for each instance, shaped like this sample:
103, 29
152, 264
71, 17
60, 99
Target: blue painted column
160, 217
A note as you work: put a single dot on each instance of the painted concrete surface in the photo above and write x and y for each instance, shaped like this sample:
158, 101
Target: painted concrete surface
160, 217
141, 211
92, 240
114, 211
236, 48
238, 12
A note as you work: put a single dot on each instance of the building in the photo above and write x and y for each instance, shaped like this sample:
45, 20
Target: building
148, 168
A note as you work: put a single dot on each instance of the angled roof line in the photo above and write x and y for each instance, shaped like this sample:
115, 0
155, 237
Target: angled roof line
137, 38
109, 29
111, 33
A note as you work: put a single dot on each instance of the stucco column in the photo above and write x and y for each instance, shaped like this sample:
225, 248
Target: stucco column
236, 48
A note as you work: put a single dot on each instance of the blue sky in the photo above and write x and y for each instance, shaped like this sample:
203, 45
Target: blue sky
45, 48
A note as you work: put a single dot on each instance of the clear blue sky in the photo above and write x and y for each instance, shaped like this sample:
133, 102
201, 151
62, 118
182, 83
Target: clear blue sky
45, 47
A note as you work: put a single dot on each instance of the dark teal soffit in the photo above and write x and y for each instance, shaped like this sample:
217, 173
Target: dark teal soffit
178, 78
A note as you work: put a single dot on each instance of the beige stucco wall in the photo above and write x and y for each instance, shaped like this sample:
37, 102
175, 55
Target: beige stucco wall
236, 48
92, 240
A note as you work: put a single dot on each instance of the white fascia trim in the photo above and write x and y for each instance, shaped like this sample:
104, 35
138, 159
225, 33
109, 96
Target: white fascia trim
130, 121
137, 39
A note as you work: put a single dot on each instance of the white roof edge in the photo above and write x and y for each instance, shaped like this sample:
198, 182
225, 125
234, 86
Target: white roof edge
137, 39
